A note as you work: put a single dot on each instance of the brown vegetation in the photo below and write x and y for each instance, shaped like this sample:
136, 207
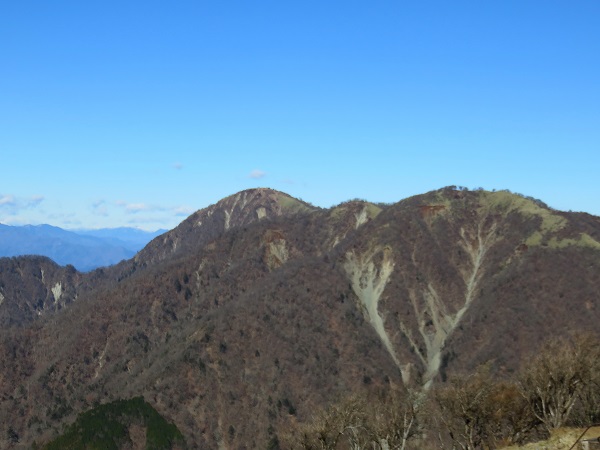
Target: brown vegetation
246, 317
468, 412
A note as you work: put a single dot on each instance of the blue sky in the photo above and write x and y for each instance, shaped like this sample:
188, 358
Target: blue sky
139, 113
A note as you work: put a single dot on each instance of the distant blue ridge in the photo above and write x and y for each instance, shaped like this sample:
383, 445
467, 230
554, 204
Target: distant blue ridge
84, 249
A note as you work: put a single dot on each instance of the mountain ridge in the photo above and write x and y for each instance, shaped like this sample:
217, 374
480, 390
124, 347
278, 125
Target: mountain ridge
252, 326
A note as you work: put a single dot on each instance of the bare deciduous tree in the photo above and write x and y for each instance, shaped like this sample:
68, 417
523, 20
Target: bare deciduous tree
470, 412
512, 418
343, 422
466, 409
387, 422
395, 419
554, 380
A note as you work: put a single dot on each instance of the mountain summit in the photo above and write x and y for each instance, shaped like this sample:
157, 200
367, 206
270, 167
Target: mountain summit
260, 308
235, 211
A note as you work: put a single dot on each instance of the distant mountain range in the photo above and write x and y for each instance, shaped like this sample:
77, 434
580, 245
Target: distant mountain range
84, 249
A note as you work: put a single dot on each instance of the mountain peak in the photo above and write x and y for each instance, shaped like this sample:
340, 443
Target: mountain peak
237, 210
255, 204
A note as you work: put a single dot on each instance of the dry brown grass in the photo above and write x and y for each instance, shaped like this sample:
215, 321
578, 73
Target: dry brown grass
561, 439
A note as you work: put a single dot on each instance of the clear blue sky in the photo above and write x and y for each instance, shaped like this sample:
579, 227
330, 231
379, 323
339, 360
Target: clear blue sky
137, 113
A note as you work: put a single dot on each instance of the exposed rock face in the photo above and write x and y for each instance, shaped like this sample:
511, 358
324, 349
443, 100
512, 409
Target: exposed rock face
34, 286
276, 249
260, 308
368, 283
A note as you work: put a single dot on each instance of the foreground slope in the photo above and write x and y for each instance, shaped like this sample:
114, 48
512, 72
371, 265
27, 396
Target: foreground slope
260, 308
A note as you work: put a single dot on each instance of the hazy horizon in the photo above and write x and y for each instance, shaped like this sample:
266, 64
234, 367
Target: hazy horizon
144, 230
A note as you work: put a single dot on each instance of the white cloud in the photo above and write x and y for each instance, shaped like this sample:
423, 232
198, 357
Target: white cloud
257, 174
13, 221
100, 208
151, 222
15, 204
16, 210
7, 200
147, 216
137, 207
183, 211
33, 201
133, 208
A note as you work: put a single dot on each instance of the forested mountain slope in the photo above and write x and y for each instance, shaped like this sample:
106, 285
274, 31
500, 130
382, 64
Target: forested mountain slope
261, 308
